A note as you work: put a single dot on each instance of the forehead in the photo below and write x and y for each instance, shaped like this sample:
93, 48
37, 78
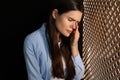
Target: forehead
77, 15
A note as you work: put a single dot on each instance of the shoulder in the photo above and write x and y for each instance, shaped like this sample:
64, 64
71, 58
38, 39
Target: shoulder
35, 36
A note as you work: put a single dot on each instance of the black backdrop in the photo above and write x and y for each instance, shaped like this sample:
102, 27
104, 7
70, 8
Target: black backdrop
17, 19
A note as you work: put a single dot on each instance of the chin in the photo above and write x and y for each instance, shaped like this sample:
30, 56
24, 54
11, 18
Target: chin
67, 35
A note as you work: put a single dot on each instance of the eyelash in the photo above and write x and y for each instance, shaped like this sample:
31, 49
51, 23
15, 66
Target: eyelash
70, 19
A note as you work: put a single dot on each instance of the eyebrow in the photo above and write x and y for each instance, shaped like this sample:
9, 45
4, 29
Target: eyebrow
74, 19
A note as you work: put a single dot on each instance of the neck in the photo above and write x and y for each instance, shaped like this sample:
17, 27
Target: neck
58, 37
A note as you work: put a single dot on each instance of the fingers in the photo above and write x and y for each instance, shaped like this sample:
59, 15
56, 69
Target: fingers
75, 36
77, 32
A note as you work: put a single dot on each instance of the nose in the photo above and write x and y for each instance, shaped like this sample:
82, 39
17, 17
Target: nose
74, 25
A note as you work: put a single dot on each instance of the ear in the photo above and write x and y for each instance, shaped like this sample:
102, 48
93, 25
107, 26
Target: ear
54, 13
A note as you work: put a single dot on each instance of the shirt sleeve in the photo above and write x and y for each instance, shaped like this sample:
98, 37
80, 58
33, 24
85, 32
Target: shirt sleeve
79, 67
32, 64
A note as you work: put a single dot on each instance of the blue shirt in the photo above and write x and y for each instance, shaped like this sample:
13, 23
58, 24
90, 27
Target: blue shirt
37, 58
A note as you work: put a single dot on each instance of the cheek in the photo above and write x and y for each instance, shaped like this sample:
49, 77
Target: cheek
61, 23
65, 23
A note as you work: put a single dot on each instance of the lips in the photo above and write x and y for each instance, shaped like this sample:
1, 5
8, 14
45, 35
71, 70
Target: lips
69, 31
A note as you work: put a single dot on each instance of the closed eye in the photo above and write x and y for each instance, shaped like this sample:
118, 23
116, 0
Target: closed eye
70, 19
73, 20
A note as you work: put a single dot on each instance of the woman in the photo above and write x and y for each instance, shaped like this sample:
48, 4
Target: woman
51, 52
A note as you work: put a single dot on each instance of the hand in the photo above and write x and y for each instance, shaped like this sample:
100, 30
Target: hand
75, 37
74, 41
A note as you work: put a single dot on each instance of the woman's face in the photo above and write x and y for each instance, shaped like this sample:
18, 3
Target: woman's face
67, 22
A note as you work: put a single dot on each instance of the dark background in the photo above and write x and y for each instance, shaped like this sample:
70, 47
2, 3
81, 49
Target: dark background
17, 19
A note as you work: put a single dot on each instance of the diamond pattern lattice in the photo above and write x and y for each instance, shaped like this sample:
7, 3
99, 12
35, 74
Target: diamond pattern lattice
101, 39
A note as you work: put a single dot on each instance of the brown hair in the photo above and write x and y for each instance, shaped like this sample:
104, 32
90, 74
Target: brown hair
64, 51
